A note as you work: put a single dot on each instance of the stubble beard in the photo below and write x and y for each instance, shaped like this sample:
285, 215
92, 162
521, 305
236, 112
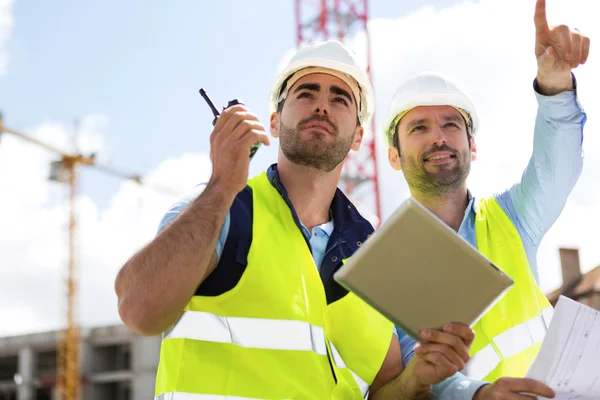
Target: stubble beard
314, 153
440, 183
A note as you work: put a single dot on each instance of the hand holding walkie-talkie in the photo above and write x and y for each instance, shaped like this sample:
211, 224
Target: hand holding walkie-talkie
237, 135
254, 147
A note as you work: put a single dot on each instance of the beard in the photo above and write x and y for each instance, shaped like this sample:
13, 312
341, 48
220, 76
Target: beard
314, 152
446, 179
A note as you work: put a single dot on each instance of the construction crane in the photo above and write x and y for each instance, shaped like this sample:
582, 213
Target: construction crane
335, 19
64, 170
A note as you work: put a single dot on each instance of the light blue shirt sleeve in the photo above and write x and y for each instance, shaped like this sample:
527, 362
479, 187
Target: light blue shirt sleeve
535, 203
181, 204
457, 387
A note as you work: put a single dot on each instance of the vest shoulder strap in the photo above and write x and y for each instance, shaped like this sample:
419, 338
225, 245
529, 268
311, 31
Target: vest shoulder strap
234, 258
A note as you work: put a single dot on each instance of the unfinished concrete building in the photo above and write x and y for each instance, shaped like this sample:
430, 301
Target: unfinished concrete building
116, 364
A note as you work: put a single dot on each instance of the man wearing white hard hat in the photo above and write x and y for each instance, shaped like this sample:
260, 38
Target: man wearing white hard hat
239, 278
431, 131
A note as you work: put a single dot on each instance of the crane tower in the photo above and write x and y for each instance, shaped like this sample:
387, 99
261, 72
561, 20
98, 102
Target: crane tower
68, 381
336, 19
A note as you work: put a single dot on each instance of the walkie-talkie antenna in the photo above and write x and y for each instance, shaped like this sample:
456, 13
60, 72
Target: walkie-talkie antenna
210, 103
254, 147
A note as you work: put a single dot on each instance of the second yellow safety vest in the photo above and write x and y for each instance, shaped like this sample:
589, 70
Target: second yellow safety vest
509, 335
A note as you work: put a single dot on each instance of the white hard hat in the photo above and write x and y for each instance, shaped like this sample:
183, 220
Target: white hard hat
331, 55
428, 89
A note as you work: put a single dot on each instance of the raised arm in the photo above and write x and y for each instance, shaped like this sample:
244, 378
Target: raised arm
554, 167
556, 163
154, 285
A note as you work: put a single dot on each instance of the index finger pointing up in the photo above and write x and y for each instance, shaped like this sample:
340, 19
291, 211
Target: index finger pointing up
539, 18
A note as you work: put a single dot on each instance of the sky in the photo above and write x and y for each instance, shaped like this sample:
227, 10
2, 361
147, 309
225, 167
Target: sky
129, 72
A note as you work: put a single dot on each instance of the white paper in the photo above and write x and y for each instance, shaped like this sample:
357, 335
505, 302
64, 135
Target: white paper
569, 359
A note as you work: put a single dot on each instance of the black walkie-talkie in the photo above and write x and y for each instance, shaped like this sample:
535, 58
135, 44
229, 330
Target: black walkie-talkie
255, 146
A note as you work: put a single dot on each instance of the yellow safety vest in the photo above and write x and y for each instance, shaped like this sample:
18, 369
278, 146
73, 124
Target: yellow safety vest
509, 335
273, 336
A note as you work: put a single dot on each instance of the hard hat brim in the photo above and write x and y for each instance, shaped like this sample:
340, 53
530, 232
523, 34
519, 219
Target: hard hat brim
456, 100
367, 98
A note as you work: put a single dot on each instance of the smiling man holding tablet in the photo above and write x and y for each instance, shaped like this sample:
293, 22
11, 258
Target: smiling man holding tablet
431, 130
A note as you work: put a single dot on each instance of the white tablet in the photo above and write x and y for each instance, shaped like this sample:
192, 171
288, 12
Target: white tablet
420, 273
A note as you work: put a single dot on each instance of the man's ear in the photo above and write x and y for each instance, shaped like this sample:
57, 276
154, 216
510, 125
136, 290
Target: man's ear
275, 118
394, 158
358, 137
473, 149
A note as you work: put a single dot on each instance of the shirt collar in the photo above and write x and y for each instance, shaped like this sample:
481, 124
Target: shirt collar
347, 220
470, 206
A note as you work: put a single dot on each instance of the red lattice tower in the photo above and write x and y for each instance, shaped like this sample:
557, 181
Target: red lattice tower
335, 19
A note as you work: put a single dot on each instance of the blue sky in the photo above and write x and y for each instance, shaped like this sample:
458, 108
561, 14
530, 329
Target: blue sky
141, 63
132, 70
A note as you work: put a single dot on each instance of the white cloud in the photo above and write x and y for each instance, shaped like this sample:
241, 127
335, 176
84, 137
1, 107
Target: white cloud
34, 241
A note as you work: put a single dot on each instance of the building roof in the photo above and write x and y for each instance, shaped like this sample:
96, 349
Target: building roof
584, 285
100, 335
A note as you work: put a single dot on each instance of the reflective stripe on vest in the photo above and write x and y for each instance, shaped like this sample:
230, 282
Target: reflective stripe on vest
258, 333
195, 396
510, 342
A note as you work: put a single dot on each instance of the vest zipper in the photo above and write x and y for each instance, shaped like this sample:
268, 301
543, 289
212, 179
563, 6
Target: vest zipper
329, 357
